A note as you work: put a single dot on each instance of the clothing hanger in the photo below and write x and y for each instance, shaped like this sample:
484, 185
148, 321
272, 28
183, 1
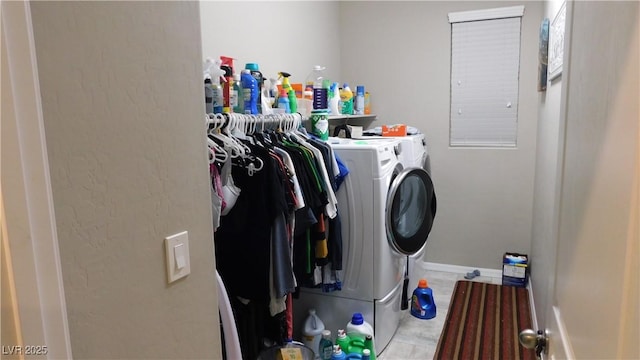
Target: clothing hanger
218, 152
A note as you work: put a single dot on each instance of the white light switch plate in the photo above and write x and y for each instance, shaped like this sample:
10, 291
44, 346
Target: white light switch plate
177, 254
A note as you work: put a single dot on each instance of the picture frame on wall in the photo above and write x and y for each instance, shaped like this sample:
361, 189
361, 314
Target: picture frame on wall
556, 43
543, 55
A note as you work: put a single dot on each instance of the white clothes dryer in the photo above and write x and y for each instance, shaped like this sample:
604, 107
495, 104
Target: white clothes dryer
413, 149
386, 215
413, 153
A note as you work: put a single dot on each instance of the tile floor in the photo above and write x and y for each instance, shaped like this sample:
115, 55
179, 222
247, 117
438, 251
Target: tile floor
416, 338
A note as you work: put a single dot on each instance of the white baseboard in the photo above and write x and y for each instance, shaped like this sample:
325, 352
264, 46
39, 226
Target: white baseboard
496, 273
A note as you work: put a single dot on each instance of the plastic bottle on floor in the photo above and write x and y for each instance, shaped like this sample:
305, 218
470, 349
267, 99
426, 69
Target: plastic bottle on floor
338, 354
369, 347
312, 332
422, 304
342, 339
366, 354
325, 348
358, 327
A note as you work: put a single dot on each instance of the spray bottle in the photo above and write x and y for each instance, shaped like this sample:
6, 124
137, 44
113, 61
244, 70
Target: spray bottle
266, 107
227, 86
254, 68
291, 94
213, 72
283, 102
273, 92
334, 99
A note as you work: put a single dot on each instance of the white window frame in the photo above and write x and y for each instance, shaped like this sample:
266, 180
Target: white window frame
474, 133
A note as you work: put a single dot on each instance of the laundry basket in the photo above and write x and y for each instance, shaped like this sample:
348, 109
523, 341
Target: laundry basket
274, 353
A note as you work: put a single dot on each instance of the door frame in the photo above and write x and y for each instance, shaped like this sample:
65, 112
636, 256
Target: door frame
553, 323
30, 226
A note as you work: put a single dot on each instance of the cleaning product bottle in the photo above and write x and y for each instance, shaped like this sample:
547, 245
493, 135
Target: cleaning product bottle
312, 332
213, 72
370, 347
326, 346
293, 101
334, 99
250, 92
255, 72
320, 94
317, 72
367, 103
208, 96
342, 339
422, 304
218, 97
314, 89
366, 354
348, 344
358, 106
359, 328
236, 95
346, 97
273, 92
227, 85
283, 101
320, 123
266, 107
338, 354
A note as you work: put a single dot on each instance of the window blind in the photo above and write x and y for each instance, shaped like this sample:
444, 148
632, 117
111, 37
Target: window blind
485, 62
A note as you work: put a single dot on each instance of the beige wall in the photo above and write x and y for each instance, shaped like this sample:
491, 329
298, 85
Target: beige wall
550, 141
290, 36
9, 329
401, 51
596, 287
123, 113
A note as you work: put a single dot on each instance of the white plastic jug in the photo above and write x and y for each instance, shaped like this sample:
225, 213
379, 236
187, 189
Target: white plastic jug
358, 327
312, 332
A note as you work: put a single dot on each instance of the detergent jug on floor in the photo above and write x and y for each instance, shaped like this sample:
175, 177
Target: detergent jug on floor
312, 332
422, 304
359, 329
349, 345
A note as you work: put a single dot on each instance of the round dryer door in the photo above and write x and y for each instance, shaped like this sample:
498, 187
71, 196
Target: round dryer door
411, 208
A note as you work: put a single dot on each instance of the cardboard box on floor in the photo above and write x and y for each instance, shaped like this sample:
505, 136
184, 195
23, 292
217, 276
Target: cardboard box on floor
515, 269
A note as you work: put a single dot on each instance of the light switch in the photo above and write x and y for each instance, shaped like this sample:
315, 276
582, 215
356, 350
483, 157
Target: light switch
178, 252
177, 256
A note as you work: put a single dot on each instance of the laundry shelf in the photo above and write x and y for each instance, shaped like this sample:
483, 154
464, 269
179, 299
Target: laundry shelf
371, 117
368, 117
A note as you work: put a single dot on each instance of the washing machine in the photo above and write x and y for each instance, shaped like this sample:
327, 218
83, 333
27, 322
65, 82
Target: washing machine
413, 152
386, 214
413, 148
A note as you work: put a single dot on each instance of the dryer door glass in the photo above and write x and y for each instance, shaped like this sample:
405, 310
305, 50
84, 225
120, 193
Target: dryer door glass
411, 208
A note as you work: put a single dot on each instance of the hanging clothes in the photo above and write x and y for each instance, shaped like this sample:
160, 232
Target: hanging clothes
279, 224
